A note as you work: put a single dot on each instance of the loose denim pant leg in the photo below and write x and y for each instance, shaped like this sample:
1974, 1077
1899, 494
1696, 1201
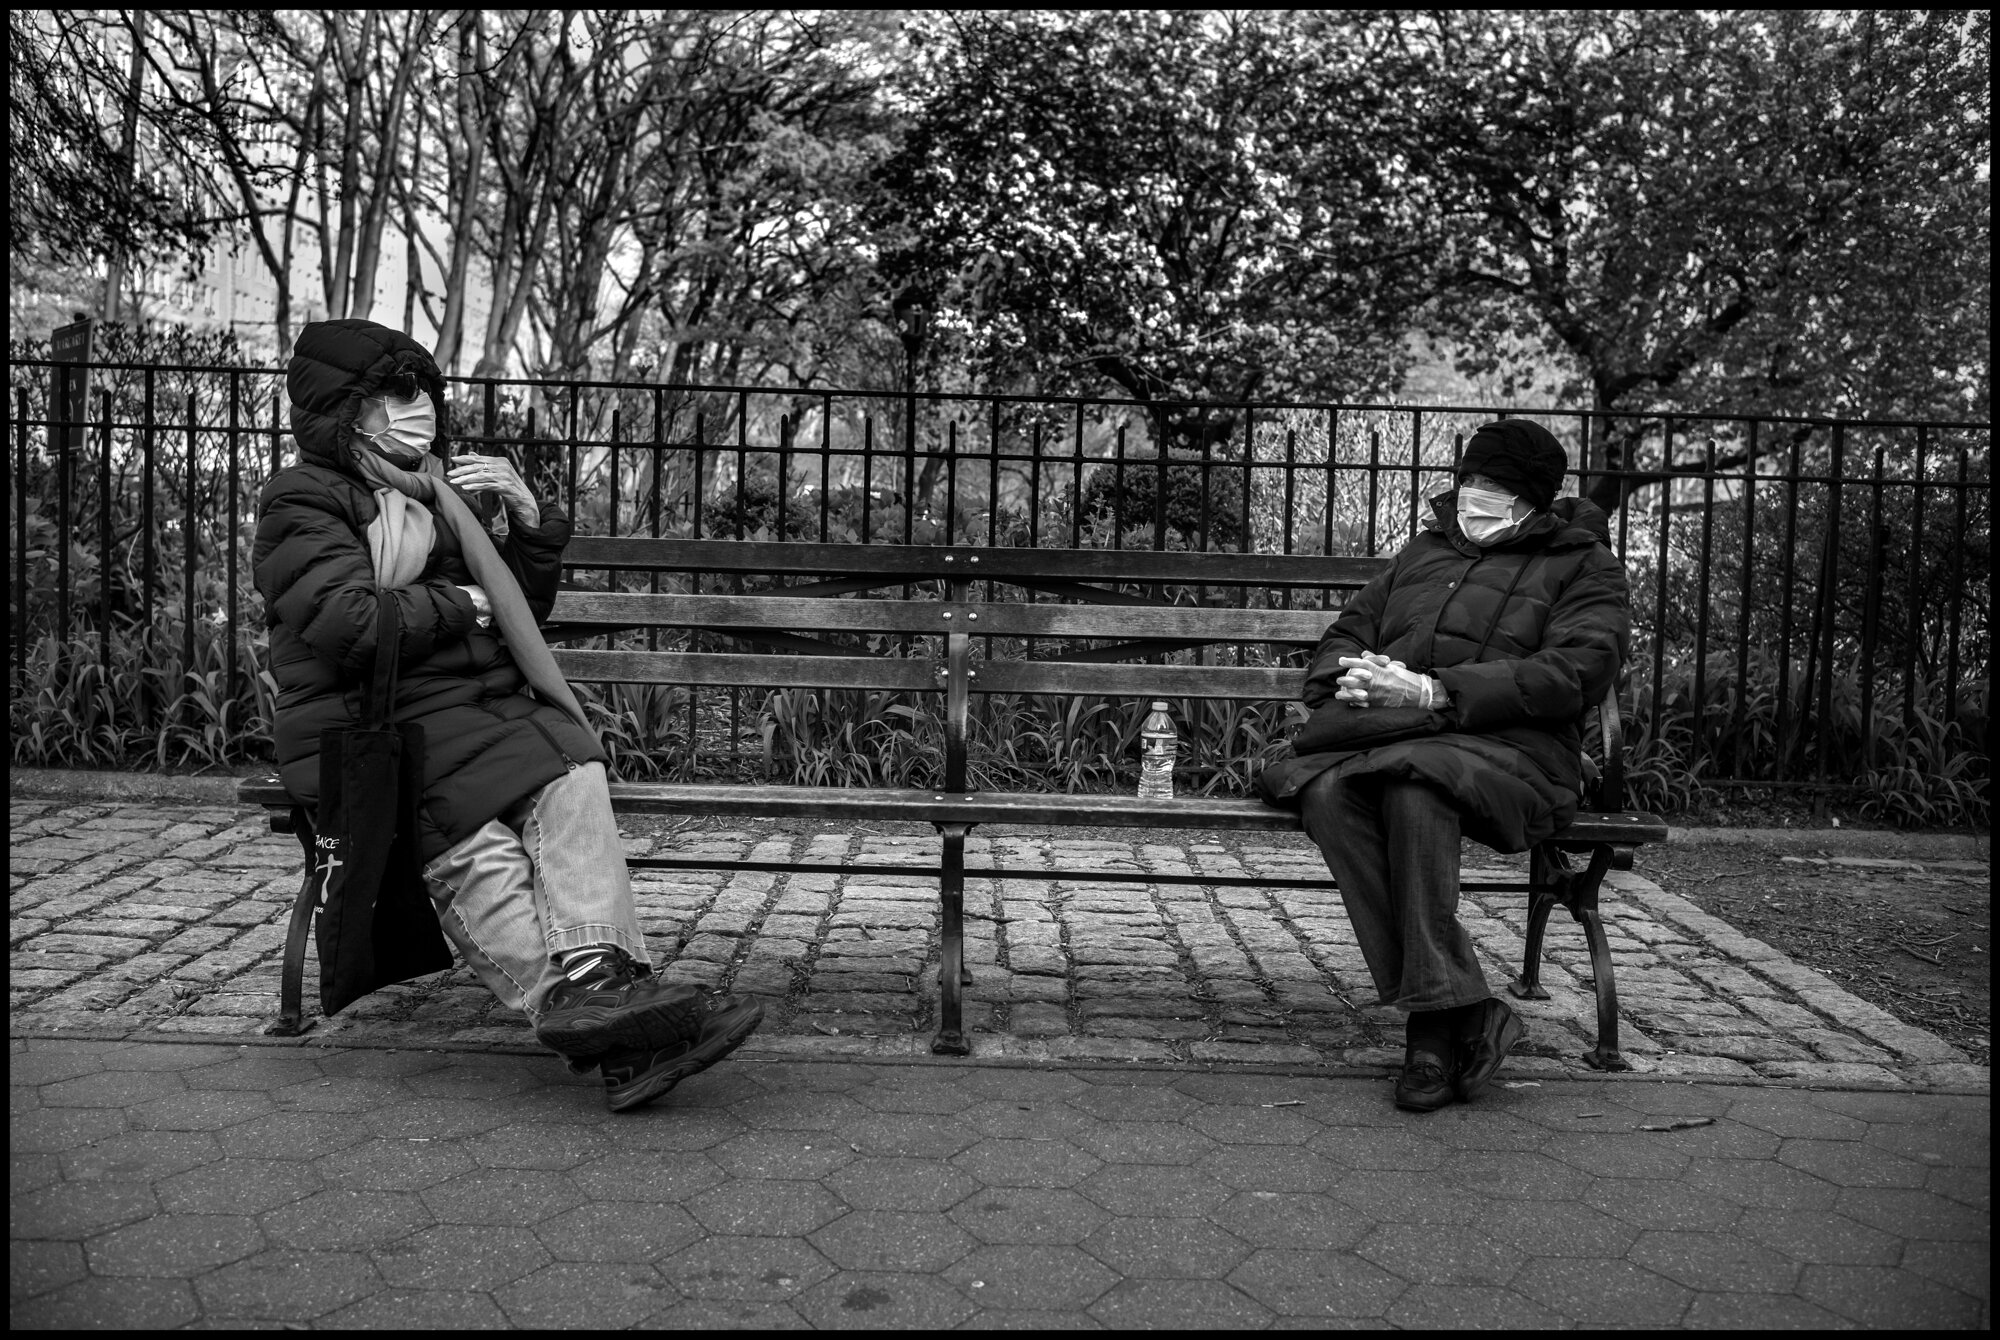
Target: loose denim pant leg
547, 876
1393, 846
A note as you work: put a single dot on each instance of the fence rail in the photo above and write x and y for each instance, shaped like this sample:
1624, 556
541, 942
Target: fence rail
1809, 595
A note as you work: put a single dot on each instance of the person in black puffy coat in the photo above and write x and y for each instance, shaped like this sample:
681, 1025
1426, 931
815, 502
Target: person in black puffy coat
521, 849
1447, 700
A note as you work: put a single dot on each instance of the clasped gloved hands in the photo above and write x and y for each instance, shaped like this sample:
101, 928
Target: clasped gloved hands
1373, 680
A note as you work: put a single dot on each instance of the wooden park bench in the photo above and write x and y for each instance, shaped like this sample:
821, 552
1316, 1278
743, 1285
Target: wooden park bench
1094, 614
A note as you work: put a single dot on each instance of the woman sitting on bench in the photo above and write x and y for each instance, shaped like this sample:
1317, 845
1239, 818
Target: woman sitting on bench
1447, 700
522, 855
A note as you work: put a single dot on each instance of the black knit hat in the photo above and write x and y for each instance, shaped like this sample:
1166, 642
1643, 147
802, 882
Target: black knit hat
1523, 456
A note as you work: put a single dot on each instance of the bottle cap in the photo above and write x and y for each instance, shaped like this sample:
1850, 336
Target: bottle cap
1159, 706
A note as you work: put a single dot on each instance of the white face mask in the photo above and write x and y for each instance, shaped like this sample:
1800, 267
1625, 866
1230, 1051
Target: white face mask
1488, 516
411, 428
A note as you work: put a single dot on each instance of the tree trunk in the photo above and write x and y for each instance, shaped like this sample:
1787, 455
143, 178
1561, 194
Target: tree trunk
353, 65
626, 342
503, 323
288, 237
375, 221
472, 127
128, 154
524, 188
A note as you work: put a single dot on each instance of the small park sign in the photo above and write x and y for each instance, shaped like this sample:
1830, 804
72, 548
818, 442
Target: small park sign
71, 344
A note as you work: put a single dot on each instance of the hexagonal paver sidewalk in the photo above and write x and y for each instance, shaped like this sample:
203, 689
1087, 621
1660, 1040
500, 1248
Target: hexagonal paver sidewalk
164, 1183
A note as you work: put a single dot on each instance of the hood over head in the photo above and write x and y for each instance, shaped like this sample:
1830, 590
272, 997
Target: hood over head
336, 365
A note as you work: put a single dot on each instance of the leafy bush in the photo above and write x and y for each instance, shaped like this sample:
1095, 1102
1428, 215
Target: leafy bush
1934, 771
142, 708
1203, 506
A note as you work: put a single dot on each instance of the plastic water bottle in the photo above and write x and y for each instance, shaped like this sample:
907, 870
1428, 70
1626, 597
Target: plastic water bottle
1157, 747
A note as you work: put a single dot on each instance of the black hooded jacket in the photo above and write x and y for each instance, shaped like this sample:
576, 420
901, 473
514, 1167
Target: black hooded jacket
487, 743
1525, 636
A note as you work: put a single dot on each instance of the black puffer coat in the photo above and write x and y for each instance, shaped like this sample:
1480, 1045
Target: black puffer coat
1525, 636
487, 744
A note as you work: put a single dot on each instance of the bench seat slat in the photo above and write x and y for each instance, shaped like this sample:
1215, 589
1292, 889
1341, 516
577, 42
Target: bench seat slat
1108, 811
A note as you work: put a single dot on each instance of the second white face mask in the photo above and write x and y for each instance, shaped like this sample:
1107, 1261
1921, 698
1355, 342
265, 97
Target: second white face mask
1488, 516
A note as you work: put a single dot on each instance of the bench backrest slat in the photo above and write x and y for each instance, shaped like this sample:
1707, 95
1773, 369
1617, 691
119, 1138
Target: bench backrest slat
1283, 683
775, 671
814, 613
899, 563
1201, 623
748, 669
994, 619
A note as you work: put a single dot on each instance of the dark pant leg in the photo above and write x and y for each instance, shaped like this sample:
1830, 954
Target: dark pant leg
1440, 969
1343, 817
1393, 847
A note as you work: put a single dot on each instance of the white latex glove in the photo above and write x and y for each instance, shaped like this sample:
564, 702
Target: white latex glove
495, 474
481, 606
1352, 687
1373, 680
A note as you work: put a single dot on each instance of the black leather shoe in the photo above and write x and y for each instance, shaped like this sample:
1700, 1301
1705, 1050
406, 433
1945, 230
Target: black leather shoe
1492, 1031
1425, 1085
618, 1007
634, 1078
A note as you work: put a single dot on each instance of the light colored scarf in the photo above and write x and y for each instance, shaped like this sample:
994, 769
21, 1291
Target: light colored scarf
399, 538
399, 543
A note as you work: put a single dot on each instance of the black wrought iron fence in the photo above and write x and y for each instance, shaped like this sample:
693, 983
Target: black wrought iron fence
1811, 597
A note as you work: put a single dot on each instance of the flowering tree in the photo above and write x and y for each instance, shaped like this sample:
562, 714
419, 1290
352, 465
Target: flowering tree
1755, 211
1182, 204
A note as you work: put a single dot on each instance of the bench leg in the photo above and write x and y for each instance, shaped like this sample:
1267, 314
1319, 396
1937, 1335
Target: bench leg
1554, 882
1541, 901
1604, 1056
952, 974
291, 986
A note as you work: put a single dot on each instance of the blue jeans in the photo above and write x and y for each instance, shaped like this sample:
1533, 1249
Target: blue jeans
547, 876
1393, 847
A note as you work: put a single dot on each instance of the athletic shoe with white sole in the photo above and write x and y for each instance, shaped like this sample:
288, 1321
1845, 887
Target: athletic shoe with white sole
609, 1003
635, 1078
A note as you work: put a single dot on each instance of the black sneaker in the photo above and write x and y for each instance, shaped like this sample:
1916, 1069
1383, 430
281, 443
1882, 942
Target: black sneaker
1425, 1085
634, 1078
614, 1004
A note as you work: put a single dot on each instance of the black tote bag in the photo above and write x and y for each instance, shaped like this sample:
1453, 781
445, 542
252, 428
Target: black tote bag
376, 924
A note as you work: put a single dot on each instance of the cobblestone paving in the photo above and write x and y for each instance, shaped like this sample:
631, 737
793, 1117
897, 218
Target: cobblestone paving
162, 1184
169, 919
